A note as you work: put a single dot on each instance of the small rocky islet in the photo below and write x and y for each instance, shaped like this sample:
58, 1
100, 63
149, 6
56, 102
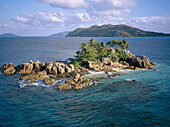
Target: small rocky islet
73, 75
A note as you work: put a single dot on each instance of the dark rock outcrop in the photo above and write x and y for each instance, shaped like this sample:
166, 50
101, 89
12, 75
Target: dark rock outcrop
78, 86
70, 81
68, 69
5, 66
91, 65
25, 68
54, 70
9, 70
31, 62
152, 63
59, 68
36, 66
49, 68
77, 83
36, 76
116, 74
49, 81
65, 86
77, 76
106, 61
134, 80
71, 66
129, 53
124, 63
141, 62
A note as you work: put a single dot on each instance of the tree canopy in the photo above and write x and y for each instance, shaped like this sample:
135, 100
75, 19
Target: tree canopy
124, 44
95, 51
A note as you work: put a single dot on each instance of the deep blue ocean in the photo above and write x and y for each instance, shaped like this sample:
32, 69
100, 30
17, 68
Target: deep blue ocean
112, 103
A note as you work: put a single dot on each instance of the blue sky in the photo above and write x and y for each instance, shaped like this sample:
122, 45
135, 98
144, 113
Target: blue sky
45, 17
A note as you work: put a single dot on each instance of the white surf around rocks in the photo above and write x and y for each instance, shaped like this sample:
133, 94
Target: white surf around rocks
27, 83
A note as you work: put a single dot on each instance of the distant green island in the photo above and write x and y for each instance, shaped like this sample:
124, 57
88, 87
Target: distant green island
113, 31
102, 31
8, 35
62, 34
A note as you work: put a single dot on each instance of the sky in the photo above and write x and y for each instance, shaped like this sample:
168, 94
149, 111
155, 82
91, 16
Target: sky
46, 17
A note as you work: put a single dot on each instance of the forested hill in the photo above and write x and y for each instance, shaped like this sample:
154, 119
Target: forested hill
113, 31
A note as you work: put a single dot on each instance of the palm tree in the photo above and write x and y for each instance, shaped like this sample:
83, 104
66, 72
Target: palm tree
124, 44
103, 50
98, 47
111, 43
110, 53
92, 43
114, 43
78, 56
121, 43
84, 48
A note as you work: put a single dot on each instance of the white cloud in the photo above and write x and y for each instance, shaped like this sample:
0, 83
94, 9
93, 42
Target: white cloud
114, 12
68, 4
152, 19
81, 20
5, 26
96, 7
46, 20
102, 5
152, 23
84, 17
22, 20
111, 7
26, 14
44, 17
40, 19
93, 12
113, 19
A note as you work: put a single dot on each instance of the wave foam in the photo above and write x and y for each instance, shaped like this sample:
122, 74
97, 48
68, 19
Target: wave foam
131, 80
128, 80
110, 73
94, 73
26, 83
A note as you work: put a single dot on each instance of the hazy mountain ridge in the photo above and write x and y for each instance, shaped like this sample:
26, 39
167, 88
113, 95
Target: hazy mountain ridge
8, 35
113, 31
62, 34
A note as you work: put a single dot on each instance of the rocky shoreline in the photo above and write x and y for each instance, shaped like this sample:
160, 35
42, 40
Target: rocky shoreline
73, 76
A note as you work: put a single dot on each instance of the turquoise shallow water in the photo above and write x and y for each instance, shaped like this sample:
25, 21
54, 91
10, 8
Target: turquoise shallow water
113, 102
